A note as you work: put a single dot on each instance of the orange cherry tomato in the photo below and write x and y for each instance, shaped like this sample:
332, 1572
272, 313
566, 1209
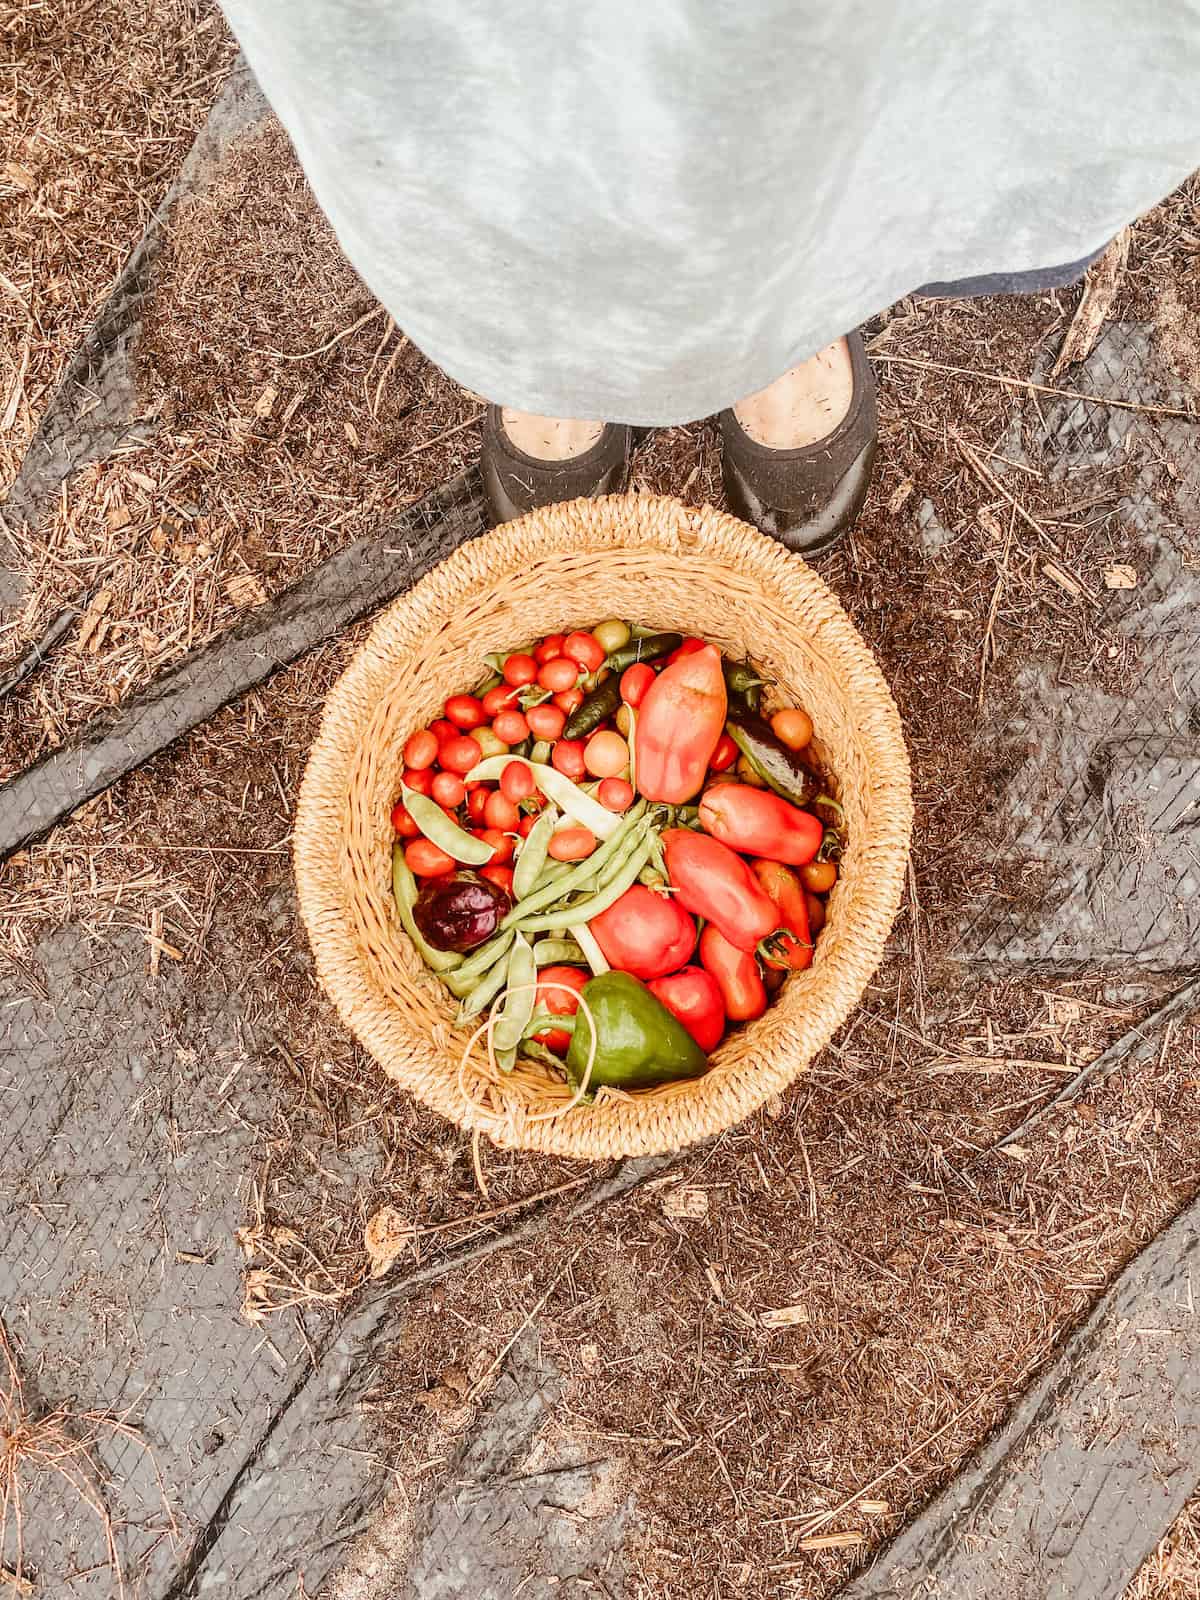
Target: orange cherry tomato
420, 749
792, 727
519, 670
559, 674
517, 782
461, 754
569, 700
510, 726
635, 680
465, 712
572, 844
818, 876
546, 721
403, 824
614, 794
586, 649
419, 779
500, 812
567, 758
477, 801
606, 754
503, 876
426, 860
724, 756
502, 698
449, 790
816, 914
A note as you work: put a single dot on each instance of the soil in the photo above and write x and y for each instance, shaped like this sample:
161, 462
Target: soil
929, 1278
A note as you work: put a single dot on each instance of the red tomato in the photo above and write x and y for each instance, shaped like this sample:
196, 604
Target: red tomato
460, 755
546, 721
760, 823
679, 725
426, 860
569, 700
500, 812
525, 826
502, 698
635, 680
558, 993
520, 670
403, 823
517, 782
465, 712
586, 649
559, 674
511, 727
420, 749
449, 790
572, 844
477, 802
502, 846
791, 947
503, 876
736, 975
724, 755
567, 758
614, 794
550, 647
714, 882
443, 729
692, 995
645, 933
419, 779
687, 648
606, 754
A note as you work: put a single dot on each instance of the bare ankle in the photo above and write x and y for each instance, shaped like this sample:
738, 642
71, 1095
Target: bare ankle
804, 405
549, 438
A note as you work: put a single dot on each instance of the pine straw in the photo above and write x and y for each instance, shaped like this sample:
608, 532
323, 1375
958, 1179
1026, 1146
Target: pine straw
1173, 1571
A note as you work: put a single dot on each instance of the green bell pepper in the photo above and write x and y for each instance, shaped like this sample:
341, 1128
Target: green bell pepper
639, 1042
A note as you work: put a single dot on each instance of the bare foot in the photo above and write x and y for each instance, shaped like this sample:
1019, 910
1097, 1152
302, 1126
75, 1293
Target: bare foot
805, 405
549, 438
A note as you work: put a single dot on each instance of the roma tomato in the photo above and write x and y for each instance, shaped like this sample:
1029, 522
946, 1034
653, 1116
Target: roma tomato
426, 860
501, 876
572, 844
819, 876
502, 846
546, 721
792, 946
461, 754
567, 758
500, 812
558, 674
586, 649
692, 995
816, 913
420, 749
735, 973
449, 789
502, 698
519, 670
793, 728
713, 882
525, 826
558, 993
465, 712
679, 725
645, 933
477, 801
517, 781
635, 680
402, 823
443, 729
761, 823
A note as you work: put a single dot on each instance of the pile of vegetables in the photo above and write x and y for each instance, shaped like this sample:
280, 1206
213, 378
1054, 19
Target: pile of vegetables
611, 855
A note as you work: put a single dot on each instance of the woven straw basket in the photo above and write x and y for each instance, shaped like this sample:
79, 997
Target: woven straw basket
667, 566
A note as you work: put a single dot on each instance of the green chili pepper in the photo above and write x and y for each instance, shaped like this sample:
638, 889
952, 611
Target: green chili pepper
576, 877
576, 915
780, 768
404, 889
638, 1042
517, 1007
743, 684
651, 647
441, 830
600, 703
484, 990
558, 953
533, 853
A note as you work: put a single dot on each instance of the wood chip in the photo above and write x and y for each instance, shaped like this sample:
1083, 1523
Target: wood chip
90, 620
386, 1237
265, 403
990, 523
1099, 292
873, 1508
20, 177
118, 517
1120, 576
899, 495
785, 1317
832, 1541
686, 1203
1063, 579
589, 1357
244, 589
143, 480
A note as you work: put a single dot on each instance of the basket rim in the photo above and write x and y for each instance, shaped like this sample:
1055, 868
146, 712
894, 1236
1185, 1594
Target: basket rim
628, 1125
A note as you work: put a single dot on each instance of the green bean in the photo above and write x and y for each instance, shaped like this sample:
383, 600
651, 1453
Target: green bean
590, 946
558, 953
486, 955
517, 1007
533, 853
486, 989
441, 830
404, 889
553, 872
573, 916
577, 877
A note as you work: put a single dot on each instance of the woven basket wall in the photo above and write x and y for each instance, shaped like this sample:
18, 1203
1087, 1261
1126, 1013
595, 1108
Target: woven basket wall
667, 566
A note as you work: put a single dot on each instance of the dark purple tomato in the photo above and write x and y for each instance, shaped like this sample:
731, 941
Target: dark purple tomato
461, 912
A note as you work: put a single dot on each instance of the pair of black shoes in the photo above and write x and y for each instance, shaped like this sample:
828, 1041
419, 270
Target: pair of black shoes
805, 498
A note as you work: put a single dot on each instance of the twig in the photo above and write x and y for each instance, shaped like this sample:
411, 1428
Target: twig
387, 371
429, 443
1038, 388
481, 1384
988, 649
329, 344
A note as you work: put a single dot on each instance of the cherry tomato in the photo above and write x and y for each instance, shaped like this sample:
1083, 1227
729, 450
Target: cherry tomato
819, 876
502, 846
420, 749
586, 649
510, 726
449, 790
606, 754
403, 823
465, 712
517, 782
502, 698
557, 992
525, 826
567, 758
550, 647
559, 674
420, 779
502, 876
520, 670
477, 801
816, 914
793, 728
443, 729
724, 755
569, 700
461, 754
687, 648
572, 844
426, 860
635, 680
614, 794
500, 812
546, 721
